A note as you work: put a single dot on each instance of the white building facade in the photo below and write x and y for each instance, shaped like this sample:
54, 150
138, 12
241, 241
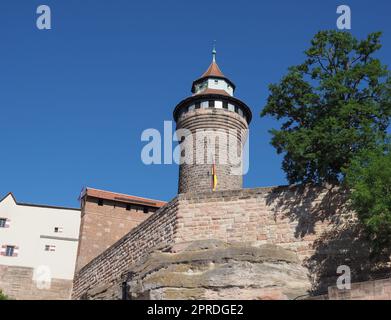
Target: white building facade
38, 242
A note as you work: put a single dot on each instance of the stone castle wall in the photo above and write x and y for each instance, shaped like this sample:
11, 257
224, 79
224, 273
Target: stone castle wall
158, 230
312, 222
368, 290
17, 283
258, 216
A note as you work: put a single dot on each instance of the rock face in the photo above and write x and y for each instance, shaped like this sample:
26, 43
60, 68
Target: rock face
213, 269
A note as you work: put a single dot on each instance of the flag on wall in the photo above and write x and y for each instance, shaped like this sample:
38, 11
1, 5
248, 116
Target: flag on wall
214, 177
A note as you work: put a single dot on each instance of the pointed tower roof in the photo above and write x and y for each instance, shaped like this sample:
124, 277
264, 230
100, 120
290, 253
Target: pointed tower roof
213, 71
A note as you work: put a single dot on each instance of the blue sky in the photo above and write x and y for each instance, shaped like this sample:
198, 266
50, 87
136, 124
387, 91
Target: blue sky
74, 100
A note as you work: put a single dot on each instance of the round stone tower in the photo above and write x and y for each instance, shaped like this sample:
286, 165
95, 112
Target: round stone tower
211, 129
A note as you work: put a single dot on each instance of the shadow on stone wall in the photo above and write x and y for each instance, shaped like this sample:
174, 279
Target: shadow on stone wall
307, 205
344, 243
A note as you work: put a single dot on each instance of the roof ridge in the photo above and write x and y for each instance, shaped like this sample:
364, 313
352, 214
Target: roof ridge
124, 194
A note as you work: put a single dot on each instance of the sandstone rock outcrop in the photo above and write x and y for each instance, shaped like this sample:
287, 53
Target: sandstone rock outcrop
212, 269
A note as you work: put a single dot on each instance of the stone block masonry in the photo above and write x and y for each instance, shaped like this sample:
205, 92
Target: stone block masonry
310, 221
18, 283
158, 230
221, 144
106, 217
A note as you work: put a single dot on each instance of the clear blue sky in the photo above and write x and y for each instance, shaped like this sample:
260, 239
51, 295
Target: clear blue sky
74, 100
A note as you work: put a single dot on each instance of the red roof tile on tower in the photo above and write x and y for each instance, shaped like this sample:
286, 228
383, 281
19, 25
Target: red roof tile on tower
212, 91
213, 70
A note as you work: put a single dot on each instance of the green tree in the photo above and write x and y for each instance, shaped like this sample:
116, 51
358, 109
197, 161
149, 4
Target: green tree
369, 179
3, 296
332, 106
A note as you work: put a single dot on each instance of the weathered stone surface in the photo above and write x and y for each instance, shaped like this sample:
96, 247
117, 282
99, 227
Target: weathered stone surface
17, 283
309, 221
216, 270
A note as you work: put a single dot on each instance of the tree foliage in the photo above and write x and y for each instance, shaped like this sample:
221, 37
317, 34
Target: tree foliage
334, 105
369, 179
3, 296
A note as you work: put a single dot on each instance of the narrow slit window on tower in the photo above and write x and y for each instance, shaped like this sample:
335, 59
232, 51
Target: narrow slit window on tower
100, 202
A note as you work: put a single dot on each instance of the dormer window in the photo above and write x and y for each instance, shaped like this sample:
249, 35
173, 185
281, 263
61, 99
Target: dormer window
216, 81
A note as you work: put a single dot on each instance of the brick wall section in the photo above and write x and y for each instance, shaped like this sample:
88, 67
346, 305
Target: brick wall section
17, 283
283, 216
308, 220
102, 226
368, 290
158, 230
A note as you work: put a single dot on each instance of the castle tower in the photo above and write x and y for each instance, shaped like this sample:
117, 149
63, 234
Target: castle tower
211, 128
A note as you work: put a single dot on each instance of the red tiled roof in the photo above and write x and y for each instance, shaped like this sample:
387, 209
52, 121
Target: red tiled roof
212, 91
101, 194
213, 70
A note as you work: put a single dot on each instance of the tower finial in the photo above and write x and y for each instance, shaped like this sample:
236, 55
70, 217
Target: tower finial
214, 51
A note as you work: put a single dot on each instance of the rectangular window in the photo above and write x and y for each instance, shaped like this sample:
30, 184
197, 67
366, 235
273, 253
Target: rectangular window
146, 210
211, 103
9, 251
236, 109
128, 207
50, 247
225, 104
58, 229
100, 202
218, 104
197, 105
3, 221
216, 81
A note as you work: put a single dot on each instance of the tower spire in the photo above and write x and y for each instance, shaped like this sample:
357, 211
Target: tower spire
214, 51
